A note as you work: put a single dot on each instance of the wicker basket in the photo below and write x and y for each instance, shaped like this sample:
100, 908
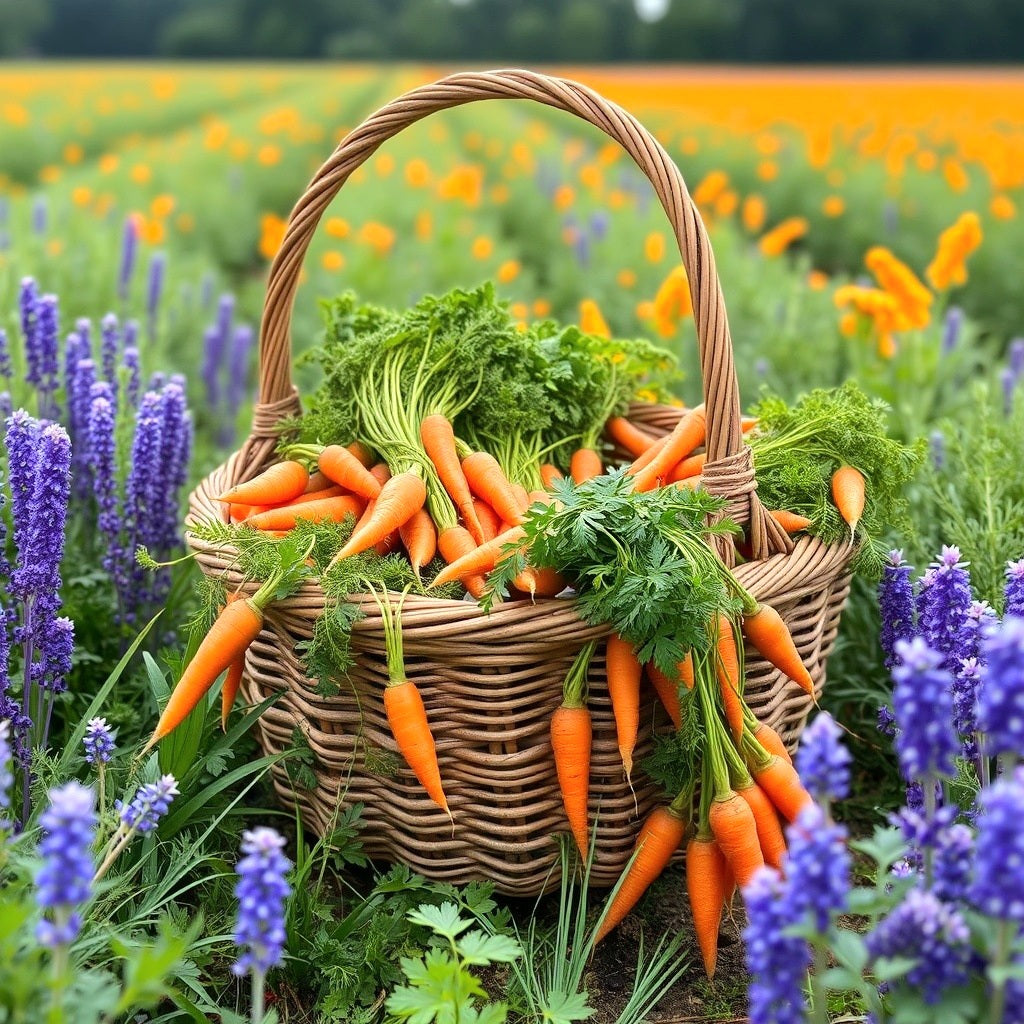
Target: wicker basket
490, 683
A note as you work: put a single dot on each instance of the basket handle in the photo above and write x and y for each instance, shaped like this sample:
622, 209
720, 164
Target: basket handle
728, 458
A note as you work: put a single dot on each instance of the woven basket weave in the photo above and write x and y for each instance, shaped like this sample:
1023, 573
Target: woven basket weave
490, 683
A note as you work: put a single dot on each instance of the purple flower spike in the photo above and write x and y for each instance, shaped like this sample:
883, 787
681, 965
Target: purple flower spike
923, 702
937, 448
261, 891
110, 334
6, 777
129, 249
1008, 380
98, 741
148, 805
155, 288
65, 879
134, 375
896, 603
28, 308
47, 337
943, 604
822, 761
102, 462
242, 342
40, 215
954, 852
1014, 592
22, 443
58, 643
5, 357
817, 867
951, 329
1001, 694
999, 853
777, 962
931, 932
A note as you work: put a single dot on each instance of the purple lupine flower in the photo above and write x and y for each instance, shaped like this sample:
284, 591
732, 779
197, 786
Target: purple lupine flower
817, 867
937, 448
5, 357
1017, 357
212, 355
143, 496
78, 394
65, 879
242, 341
942, 606
83, 328
896, 604
157, 381
129, 249
777, 962
175, 445
130, 363
965, 699
74, 350
886, 721
261, 891
1008, 381
999, 850
22, 443
40, 215
206, 290
923, 702
1000, 709
599, 221
98, 741
131, 334
6, 776
110, 335
57, 645
149, 805
932, 933
951, 327
28, 306
581, 248
1014, 592
48, 340
822, 761
155, 288
954, 851
103, 469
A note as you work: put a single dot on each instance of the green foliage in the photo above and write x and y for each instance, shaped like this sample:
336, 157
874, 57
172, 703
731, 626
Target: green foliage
798, 448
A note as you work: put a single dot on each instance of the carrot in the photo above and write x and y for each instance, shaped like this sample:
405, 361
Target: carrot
234, 629
790, 521
330, 491
708, 884
282, 482
628, 435
399, 500
438, 439
688, 434
848, 494
404, 706
364, 453
238, 512
540, 496
688, 468
455, 542
668, 693
488, 482
317, 482
571, 740
490, 523
285, 517
727, 671
585, 464
382, 475
782, 785
660, 836
735, 831
480, 560
549, 474
772, 742
341, 466
548, 582
686, 670
766, 823
230, 689
645, 458
623, 671
747, 423
420, 539
771, 637
522, 499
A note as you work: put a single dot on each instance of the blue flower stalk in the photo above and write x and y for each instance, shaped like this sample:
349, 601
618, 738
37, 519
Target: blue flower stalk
943, 605
6, 775
822, 762
896, 604
1000, 709
262, 890
1014, 592
99, 742
141, 814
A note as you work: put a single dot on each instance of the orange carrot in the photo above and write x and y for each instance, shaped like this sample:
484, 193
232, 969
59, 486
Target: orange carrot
522, 499
668, 693
772, 742
660, 836
382, 475
628, 435
645, 458
480, 560
688, 468
623, 671
770, 636
735, 831
420, 539
585, 465
234, 629
438, 439
230, 689
490, 523
571, 740
848, 494
317, 482
688, 434
399, 500
282, 482
362, 452
686, 670
549, 474
455, 542
488, 482
783, 787
330, 491
790, 521
341, 466
747, 423
540, 496
727, 671
285, 517
237, 512
708, 884
766, 823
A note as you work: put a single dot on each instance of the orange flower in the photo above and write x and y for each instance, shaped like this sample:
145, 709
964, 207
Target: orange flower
424, 227
626, 278
465, 182
817, 280
881, 308
896, 278
73, 153
151, 231
482, 247
956, 176
508, 271
81, 196
833, 206
714, 183
417, 173
654, 247
271, 235
726, 203
332, 260
108, 163
1002, 207
337, 227
268, 155
162, 205
779, 239
541, 307
519, 310
378, 236
767, 170
956, 243
592, 321
384, 165
499, 193
672, 302
754, 213
564, 197
141, 174
49, 174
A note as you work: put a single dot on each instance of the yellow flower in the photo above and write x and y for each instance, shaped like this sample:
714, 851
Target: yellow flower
141, 174
337, 227
152, 232
592, 321
73, 153
54, 247
271, 235
508, 271
465, 182
384, 165
654, 247
833, 206
268, 155
49, 174
417, 173
779, 239
162, 205
956, 243
108, 163
519, 310
81, 196
332, 260
482, 248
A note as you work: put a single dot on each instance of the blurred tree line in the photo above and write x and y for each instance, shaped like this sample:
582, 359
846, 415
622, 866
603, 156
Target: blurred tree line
520, 31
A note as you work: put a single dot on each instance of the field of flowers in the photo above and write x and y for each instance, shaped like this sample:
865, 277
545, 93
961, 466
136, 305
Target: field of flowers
866, 226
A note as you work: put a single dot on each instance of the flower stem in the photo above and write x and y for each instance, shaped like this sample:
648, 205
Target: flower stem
819, 993
1004, 938
258, 979
928, 786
